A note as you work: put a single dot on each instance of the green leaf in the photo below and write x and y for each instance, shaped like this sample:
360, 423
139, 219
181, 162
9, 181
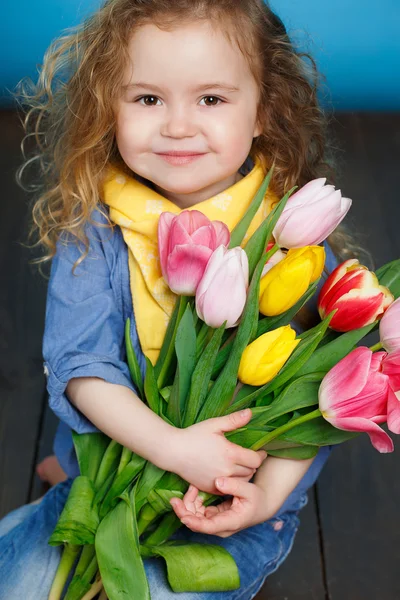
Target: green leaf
151, 388
168, 525
389, 276
159, 499
123, 480
166, 362
301, 393
79, 519
198, 567
201, 377
90, 449
149, 478
328, 355
241, 228
258, 241
117, 548
317, 432
109, 463
185, 347
133, 363
298, 453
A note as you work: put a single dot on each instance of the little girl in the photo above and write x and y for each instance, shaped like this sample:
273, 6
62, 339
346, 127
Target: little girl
150, 106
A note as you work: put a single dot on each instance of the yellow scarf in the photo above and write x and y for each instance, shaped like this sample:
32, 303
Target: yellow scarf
136, 209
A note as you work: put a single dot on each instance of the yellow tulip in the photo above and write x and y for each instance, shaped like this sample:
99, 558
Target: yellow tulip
288, 280
264, 358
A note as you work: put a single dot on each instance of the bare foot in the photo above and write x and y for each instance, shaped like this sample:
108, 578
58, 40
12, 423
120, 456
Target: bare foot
50, 471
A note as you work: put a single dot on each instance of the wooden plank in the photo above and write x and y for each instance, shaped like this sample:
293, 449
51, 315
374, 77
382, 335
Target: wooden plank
359, 494
44, 448
22, 303
359, 489
300, 577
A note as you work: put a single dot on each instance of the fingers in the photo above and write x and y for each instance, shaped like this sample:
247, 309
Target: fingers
234, 486
234, 420
249, 458
191, 503
216, 524
240, 471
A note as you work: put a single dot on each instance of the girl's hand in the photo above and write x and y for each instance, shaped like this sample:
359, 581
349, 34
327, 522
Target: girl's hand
201, 453
247, 507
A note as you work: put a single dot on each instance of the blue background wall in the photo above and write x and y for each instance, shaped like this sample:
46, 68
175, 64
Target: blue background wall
356, 44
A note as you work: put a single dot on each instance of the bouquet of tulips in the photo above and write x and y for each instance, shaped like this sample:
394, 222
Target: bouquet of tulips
230, 345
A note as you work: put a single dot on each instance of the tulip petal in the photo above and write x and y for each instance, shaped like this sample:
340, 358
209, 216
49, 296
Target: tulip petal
389, 327
224, 299
223, 236
354, 312
379, 438
355, 279
391, 368
333, 278
204, 236
393, 411
211, 270
307, 191
164, 226
191, 220
312, 223
345, 380
185, 268
178, 235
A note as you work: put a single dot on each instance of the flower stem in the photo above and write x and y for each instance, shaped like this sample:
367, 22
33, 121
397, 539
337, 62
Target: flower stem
377, 346
94, 590
161, 379
69, 555
268, 437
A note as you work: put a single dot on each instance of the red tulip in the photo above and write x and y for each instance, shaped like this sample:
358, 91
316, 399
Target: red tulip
186, 243
354, 395
355, 293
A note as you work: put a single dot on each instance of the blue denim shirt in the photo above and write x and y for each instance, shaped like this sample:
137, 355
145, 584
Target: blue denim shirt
84, 331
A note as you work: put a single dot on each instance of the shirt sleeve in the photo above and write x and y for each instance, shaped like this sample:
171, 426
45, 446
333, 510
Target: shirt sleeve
84, 325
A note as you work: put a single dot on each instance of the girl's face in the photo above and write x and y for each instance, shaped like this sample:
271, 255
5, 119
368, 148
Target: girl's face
187, 91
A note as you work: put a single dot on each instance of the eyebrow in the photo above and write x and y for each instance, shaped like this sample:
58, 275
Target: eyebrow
205, 86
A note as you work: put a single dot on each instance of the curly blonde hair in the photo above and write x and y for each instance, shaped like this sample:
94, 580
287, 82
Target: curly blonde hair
70, 110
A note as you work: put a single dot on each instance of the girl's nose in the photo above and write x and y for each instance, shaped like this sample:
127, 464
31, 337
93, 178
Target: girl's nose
178, 123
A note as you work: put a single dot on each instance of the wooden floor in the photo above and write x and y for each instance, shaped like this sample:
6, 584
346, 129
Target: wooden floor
348, 543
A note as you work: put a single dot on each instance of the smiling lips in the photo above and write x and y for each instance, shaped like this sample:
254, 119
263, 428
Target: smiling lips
180, 157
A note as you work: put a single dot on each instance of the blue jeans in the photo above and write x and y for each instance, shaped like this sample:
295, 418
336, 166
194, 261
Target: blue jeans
28, 563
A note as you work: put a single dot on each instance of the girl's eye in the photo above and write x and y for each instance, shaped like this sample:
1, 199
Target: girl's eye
152, 100
214, 100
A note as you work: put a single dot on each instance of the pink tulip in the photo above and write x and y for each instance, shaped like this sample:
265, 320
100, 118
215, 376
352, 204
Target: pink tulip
389, 327
221, 294
310, 215
355, 294
186, 243
391, 368
354, 394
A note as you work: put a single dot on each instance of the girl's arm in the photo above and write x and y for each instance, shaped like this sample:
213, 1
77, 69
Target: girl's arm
251, 503
199, 454
278, 477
